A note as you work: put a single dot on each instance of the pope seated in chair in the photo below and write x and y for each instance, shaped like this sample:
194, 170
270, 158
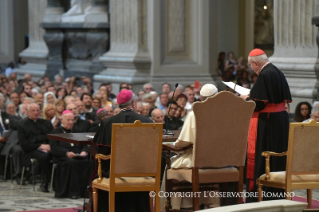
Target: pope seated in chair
74, 169
184, 159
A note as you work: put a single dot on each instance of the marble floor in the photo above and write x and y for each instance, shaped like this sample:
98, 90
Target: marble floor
12, 198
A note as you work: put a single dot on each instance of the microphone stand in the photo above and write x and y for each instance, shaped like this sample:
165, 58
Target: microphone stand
169, 109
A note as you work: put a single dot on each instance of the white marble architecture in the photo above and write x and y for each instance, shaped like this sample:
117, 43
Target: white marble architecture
296, 50
13, 28
36, 54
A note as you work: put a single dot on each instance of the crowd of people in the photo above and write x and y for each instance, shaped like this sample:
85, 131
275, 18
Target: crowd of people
31, 110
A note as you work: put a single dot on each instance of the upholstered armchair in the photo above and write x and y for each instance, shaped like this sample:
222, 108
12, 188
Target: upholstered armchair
302, 169
219, 149
133, 168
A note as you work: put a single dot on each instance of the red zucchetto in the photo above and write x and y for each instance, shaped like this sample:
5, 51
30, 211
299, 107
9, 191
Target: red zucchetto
66, 112
124, 96
256, 52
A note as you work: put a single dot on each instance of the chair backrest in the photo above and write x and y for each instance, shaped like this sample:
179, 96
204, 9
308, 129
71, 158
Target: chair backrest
136, 149
222, 124
303, 148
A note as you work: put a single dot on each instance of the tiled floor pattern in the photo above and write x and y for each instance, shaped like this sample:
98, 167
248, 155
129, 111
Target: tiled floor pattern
12, 198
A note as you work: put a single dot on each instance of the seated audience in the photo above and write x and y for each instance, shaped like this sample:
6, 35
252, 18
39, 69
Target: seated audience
157, 116
302, 111
96, 103
314, 115
117, 110
49, 114
32, 133
181, 101
171, 122
79, 124
139, 108
13, 145
101, 114
74, 169
49, 98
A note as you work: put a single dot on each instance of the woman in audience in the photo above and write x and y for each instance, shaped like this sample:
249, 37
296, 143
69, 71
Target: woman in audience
14, 97
10, 108
105, 98
302, 111
61, 93
178, 112
96, 102
243, 80
49, 98
49, 114
231, 65
23, 95
181, 101
59, 108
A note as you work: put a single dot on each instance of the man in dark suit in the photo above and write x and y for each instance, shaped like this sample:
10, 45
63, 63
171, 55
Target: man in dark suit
32, 133
79, 124
90, 112
134, 201
12, 145
4, 126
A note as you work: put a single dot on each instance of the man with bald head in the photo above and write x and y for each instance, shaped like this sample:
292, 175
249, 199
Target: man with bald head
72, 162
109, 110
79, 124
157, 116
32, 133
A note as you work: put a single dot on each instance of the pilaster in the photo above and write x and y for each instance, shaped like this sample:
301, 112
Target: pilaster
296, 51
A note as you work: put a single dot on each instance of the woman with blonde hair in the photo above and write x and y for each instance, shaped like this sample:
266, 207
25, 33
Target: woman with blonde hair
49, 114
105, 98
59, 108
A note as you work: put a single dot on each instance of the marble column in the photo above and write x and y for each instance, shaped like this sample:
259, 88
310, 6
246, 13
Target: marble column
160, 41
37, 52
295, 50
128, 59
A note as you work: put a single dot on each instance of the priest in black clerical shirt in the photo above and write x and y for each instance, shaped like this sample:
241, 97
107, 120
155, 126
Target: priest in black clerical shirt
74, 169
79, 124
124, 201
171, 122
32, 137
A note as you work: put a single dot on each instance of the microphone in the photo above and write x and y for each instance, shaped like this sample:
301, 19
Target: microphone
166, 131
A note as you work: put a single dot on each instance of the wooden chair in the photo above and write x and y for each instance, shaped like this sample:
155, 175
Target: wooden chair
302, 169
222, 124
135, 162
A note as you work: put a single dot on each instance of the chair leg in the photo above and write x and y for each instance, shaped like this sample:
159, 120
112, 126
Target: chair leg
111, 201
11, 168
33, 175
309, 197
5, 168
22, 175
157, 202
240, 186
260, 191
195, 188
52, 176
95, 200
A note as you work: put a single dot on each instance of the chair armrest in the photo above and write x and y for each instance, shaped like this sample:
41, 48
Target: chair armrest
171, 147
99, 157
267, 154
